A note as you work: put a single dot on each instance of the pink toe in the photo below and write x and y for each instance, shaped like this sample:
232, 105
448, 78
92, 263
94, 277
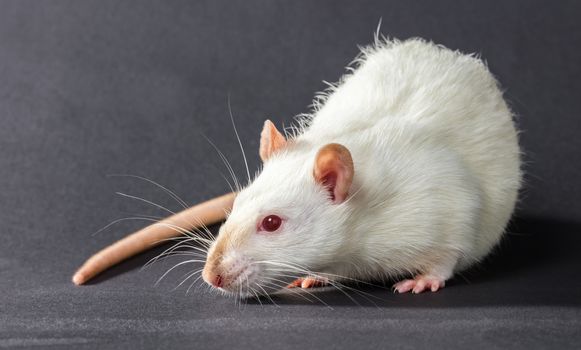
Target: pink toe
420, 286
404, 286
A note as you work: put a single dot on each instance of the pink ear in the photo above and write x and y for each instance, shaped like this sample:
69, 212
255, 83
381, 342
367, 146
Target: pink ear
271, 140
334, 170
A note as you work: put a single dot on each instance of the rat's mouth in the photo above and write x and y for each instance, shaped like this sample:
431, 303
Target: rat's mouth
249, 282
240, 281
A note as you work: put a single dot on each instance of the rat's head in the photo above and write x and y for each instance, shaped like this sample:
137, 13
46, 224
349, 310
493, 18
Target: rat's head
288, 222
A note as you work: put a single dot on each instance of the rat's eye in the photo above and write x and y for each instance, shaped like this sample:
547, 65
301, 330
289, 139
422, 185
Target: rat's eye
270, 223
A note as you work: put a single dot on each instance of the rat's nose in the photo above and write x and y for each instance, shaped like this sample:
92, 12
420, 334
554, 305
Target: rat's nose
217, 281
212, 276
213, 279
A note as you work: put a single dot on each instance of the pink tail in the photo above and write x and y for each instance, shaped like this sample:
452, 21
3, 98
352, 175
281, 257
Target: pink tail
206, 213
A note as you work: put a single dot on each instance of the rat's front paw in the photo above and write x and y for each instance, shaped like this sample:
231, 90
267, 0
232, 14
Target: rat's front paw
308, 282
419, 284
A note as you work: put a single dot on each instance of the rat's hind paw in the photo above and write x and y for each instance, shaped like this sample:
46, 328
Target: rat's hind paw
308, 282
419, 284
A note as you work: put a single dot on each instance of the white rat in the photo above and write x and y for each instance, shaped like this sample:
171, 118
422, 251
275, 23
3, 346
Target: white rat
408, 167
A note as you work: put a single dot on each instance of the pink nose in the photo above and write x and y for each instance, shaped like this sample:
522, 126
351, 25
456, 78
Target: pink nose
218, 281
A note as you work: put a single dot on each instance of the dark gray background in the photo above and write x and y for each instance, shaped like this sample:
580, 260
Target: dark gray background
90, 88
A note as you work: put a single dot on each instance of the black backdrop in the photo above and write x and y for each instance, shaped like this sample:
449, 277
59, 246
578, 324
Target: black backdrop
91, 88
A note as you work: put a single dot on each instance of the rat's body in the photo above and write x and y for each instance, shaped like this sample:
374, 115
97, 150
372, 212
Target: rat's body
410, 166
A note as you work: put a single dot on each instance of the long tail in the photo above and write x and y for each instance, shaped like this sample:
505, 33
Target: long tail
206, 213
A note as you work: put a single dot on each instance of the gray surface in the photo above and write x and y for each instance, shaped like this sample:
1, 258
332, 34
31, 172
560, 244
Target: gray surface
90, 88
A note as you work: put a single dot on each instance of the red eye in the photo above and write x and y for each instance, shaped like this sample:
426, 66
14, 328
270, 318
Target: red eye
271, 223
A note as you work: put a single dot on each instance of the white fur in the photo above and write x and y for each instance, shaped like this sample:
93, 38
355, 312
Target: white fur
437, 172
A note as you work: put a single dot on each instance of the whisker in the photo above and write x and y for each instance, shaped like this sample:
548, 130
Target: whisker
308, 292
251, 290
145, 201
170, 250
155, 220
193, 283
187, 278
198, 227
202, 230
173, 254
117, 221
335, 284
206, 234
363, 294
319, 274
177, 265
267, 295
225, 178
226, 163
238, 138
282, 286
206, 243
168, 191
256, 296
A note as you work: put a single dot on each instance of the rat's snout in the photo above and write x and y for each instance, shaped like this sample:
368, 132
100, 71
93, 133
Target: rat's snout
227, 269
